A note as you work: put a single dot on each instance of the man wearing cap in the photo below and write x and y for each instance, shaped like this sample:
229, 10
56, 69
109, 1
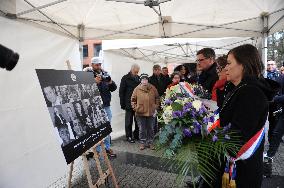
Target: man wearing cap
105, 86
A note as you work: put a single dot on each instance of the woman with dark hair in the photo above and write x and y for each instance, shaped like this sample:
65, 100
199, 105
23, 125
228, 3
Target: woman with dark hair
245, 108
218, 88
183, 72
175, 78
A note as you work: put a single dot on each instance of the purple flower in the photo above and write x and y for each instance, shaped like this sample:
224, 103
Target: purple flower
187, 132
202, 110
197, 127
168, 102
187, 107
211, 119
177, 114
196, 124
205, 120
226, 128
192, 113
196, 130
214, 138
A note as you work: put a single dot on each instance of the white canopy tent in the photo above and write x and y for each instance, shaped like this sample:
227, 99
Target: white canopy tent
171, 50
46, 33
112, 19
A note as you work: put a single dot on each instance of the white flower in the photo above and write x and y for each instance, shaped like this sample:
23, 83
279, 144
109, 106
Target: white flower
197, 104
167, 115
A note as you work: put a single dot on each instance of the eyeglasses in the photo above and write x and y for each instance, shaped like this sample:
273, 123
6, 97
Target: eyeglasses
270, 64
200, 60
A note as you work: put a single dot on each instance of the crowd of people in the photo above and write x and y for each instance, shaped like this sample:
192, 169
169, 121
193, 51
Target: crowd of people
244, 97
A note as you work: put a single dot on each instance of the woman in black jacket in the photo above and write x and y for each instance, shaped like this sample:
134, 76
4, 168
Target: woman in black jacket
246, 108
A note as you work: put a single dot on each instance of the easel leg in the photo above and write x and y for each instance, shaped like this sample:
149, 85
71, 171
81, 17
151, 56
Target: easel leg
87, 169
109, 165
70, 175
98, 163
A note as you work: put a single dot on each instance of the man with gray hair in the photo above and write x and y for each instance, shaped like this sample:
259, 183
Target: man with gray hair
128, 83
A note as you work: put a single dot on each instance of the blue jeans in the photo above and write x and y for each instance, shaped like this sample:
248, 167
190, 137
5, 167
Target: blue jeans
107, 139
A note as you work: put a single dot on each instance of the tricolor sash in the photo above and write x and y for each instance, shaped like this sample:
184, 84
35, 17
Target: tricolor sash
246, 151
185, 87
216, 122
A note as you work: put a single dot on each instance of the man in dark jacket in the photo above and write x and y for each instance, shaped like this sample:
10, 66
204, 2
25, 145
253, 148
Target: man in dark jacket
161, 83
278, 129
128, 83
272, 74
206, 61
106, 86
159, 80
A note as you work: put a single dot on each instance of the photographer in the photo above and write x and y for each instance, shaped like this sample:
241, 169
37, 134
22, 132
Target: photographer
106, 86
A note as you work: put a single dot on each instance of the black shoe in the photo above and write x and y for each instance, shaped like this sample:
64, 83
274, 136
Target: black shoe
90, 155
130, 140
267, 166
110, 153
190, 183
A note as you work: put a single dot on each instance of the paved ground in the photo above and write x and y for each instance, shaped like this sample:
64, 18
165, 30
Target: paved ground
134, 169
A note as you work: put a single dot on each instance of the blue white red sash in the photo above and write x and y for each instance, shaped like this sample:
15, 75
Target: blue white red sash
246, 151
185, 87
251, 146
216, 122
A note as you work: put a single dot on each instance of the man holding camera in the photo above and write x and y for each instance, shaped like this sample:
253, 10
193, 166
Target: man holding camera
106, 86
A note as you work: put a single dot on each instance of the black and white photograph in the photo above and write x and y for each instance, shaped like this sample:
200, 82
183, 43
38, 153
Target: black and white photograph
76, 110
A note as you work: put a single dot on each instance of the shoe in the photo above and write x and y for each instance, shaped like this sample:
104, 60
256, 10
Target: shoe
89, 155
267, 167
110, 153
196, 181
130, 140
142, 147
152, 147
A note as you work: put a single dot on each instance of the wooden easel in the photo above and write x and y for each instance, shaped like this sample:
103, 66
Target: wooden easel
103, 176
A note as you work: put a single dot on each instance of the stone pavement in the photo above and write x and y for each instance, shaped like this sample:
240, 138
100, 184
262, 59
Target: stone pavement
144, 169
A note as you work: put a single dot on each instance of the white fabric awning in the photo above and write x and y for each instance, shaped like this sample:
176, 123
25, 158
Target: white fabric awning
173, 50
109, 19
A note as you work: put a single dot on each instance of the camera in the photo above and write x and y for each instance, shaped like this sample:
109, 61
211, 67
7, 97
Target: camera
8, 58
104, 75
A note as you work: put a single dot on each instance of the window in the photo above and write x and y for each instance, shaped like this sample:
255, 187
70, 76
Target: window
97, 49
85, 50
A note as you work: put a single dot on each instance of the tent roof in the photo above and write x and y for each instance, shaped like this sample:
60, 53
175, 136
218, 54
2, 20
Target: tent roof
172, 51
109, 19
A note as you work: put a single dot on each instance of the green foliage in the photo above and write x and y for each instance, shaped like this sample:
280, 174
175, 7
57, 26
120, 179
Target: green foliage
197, 154
275, 48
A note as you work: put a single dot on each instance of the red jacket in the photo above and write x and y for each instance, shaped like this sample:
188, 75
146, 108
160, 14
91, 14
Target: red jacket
218, 85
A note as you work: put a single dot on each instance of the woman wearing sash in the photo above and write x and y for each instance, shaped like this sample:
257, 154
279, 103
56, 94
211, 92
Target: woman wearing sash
245, 109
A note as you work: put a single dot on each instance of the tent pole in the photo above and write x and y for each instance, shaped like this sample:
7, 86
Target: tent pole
81, 34
264, 17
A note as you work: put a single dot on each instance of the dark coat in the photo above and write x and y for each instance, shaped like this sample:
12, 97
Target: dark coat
246, 108
59, 123
160, 82
127, 85
208, 78
105, 91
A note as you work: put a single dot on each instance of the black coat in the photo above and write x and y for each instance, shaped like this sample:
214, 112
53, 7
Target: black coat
105, 89
208, 78
160, 82
127, 85
246, 108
